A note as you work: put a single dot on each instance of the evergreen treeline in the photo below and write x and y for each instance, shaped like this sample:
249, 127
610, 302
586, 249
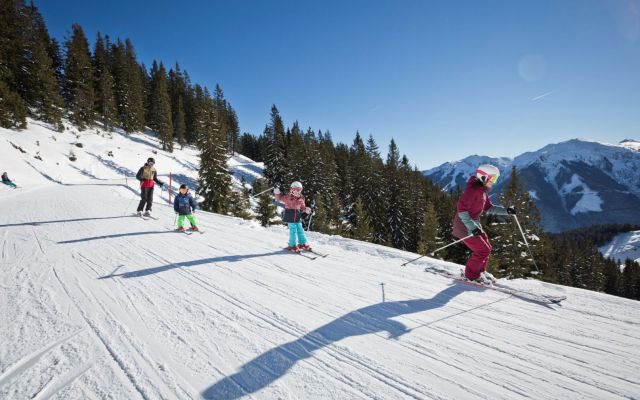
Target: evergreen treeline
41, 79
598, 234
355, 193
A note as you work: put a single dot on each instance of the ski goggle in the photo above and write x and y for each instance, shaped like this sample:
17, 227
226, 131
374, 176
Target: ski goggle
488, 179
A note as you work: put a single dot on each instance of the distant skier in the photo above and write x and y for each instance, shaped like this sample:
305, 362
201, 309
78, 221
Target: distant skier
473, 203
184, 205
294, 207
147, 175
7, 181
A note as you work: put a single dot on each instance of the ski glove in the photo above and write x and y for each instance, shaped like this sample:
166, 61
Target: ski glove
276, 191
477, 232
307, 210
511, 210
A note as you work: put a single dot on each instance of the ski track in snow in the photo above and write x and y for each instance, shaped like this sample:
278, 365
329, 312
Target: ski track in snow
96, 304
101, 309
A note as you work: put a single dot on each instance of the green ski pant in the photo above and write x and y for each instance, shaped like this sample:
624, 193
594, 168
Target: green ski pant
190, 217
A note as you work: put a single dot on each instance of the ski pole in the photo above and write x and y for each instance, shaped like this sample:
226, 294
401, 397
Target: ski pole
309, 224
526, 242
437, 250
175, 220
264, 191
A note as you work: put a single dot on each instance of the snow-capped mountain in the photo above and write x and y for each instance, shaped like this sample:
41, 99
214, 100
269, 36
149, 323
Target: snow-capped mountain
574, 183
623, 246
452, 174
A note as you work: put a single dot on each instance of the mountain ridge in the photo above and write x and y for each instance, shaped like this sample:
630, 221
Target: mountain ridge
575, 183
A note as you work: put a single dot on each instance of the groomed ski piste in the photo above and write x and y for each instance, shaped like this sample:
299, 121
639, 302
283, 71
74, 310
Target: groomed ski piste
97, 304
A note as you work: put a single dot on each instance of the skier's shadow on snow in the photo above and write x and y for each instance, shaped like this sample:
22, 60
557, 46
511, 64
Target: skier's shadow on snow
62, 221
150, 271
113, 236
275, 363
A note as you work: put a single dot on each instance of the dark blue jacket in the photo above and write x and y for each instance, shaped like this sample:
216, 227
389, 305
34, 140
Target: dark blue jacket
184, 204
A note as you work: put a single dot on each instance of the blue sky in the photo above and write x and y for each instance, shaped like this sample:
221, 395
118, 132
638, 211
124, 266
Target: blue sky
446, 79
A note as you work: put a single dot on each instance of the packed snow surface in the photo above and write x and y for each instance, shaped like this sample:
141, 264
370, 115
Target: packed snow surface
98, 304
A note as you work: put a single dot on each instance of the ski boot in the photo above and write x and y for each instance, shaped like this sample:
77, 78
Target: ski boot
194, 228
293, 248
487, 278
147, 213
181, 229
304, 246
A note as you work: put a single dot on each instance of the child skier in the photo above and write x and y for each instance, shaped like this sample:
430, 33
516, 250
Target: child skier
473, 203
185, 206
294, 206
7, 181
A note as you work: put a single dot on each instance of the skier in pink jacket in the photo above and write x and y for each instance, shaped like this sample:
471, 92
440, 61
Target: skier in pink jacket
294, 207
472, 204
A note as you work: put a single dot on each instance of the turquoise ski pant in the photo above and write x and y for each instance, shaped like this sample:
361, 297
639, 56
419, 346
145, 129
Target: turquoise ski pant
295, 230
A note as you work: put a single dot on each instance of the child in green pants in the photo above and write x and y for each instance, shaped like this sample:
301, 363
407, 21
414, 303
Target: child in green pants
185, 206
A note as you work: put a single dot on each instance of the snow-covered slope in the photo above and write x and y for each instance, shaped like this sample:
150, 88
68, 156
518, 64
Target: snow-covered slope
97, 304
575, 183
39, 155
623, 246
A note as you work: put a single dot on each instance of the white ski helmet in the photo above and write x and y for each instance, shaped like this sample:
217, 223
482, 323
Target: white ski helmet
296, 185
487, 173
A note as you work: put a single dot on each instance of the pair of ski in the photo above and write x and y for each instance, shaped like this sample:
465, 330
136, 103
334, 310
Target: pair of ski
522, 294
189, 232
310, 254
145, 217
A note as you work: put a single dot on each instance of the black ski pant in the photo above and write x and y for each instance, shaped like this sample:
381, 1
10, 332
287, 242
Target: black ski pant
146, 197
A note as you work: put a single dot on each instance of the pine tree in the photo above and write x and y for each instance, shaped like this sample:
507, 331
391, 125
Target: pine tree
160, 107
429, 230
130, 88
13, 112
276, 158
631, 280
78, 81
297, 160
233, 133
395, 217
177, 88
320, 221
239, 205
266, 210
104, 84
361, 226
42, 92
13, 25
358, 172
374, 194
214, 179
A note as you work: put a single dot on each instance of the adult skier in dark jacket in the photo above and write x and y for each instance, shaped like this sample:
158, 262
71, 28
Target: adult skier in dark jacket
184, 205
147, 175
472, 204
